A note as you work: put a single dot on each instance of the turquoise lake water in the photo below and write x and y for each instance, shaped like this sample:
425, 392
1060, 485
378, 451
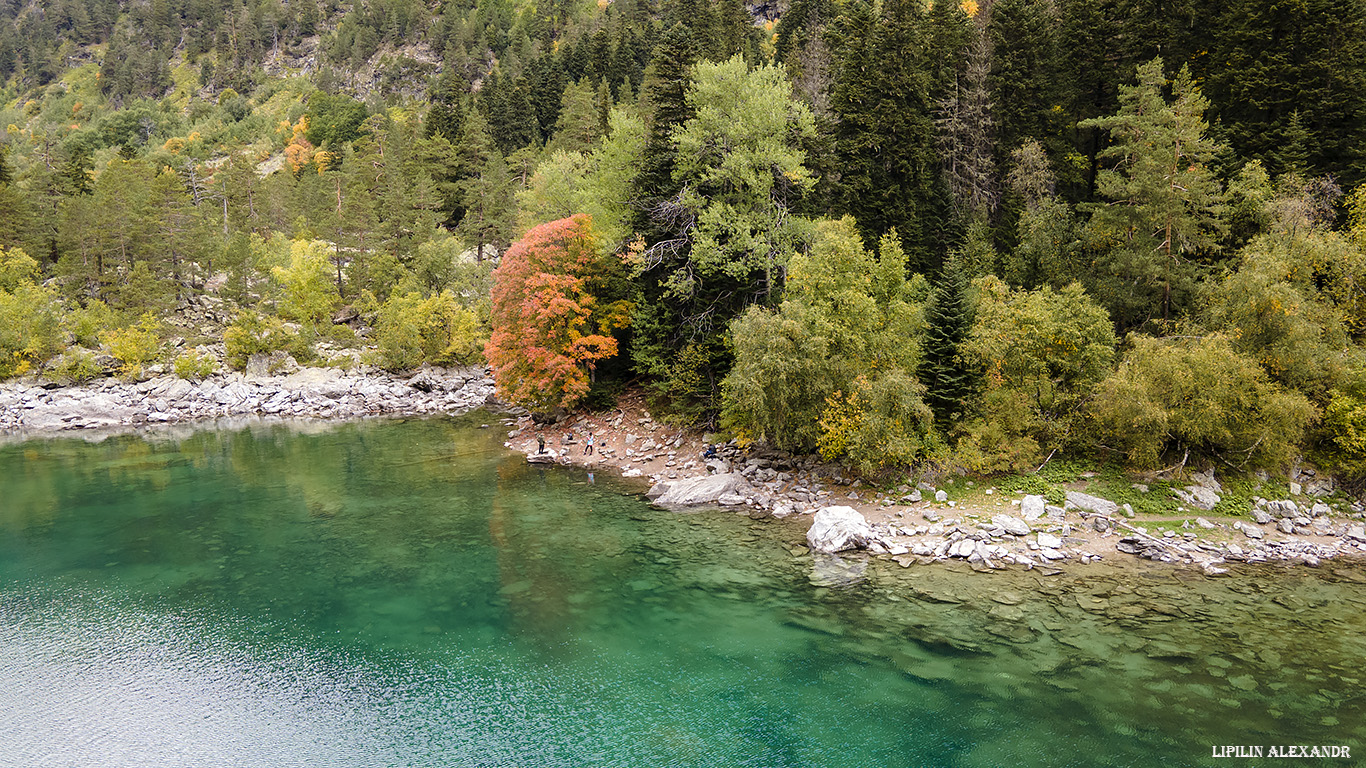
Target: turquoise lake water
407, 593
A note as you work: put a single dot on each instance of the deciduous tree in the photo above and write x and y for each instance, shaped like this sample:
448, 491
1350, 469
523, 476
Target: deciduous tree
547, 337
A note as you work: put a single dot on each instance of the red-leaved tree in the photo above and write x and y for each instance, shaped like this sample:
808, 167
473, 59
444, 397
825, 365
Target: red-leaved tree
543, 347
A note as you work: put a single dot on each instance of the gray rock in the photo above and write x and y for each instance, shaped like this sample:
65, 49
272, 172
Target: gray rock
1032, 507
1320, 510
1261, 516
1286, 525
1250, 531
1357, 532
1199, 496
1092, 503
1012, 525
912, 497
1321, 487
835, 529
1048, 540
1207, 480
1295, 489
941, 496
1283, 508
698, 490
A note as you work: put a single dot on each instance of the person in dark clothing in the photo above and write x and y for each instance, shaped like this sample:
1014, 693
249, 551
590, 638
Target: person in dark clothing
540, 444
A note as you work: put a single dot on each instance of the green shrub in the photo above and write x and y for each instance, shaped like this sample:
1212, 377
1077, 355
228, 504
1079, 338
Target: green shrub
1042, 354
253, 333
1344, 434
411, 330
85, 324
77, 366
194, 365
16, 268
307, 295
1031, 484
882, 423
833, 368
1198, 399
135, 345
30, 329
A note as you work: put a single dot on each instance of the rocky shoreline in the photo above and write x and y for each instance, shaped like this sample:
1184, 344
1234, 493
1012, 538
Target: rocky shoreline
911, 525
920, 525
31, 407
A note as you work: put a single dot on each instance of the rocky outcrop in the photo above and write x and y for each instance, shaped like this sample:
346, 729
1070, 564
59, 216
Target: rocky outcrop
1011, 525
1089, 503
308, 392
1203, 493
1032, 507
693, 491
835, 529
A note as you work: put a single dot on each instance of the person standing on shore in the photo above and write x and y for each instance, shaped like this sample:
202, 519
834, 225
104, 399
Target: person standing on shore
588, 444
540, 444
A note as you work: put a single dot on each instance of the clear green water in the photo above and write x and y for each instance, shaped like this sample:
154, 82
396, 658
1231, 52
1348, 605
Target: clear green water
405, 593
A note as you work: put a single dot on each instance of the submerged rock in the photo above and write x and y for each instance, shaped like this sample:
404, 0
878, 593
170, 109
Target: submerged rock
831, 570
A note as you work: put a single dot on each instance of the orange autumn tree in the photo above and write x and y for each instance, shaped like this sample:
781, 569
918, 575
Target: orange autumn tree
544, 345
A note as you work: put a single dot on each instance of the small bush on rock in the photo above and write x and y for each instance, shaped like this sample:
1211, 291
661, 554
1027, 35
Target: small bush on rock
135, 345
76, 366
195, 366
253, 333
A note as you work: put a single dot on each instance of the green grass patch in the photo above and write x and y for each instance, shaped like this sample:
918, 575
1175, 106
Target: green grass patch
1236, 500
1031, 484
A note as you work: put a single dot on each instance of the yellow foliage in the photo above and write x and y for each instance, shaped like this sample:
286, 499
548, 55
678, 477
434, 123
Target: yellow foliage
173, 145
298, 154
135, 345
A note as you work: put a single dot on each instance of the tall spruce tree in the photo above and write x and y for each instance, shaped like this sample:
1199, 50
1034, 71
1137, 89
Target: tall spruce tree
1024, 82
664, 93
948, 380
885, 140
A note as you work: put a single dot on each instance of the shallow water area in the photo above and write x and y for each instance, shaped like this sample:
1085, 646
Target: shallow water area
405, 592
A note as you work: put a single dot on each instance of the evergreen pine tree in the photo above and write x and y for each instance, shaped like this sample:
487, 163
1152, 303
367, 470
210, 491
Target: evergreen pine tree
885, 142
1024, 82
1165, 202
664, 93
948, 318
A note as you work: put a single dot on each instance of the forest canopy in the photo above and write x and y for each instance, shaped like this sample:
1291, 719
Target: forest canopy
891, 232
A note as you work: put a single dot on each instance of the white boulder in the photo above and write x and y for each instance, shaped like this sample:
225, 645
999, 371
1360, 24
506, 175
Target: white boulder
835, 529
